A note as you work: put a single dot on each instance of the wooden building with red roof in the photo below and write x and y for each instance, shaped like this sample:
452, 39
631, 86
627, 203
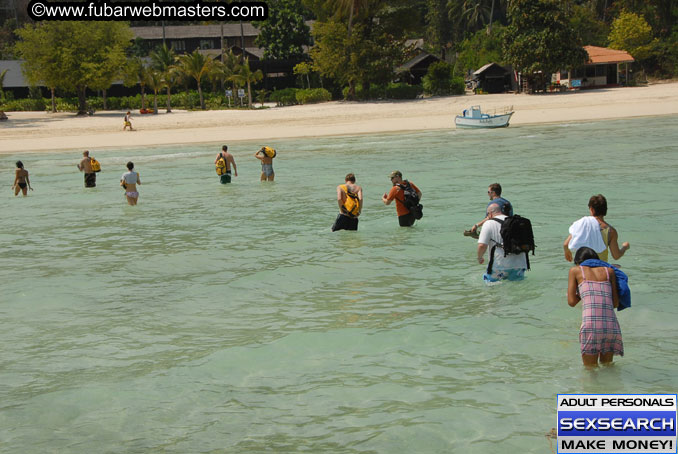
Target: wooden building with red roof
602, 69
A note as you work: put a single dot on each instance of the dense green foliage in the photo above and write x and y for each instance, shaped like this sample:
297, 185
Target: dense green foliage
440, 80
632, 33
313, 95
360, 41
285, 97
390, 91
73, 55
183, 100
540, 39
479, 50
357, 46
284, 33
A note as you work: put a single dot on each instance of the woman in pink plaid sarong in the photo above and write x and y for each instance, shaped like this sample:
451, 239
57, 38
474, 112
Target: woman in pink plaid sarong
600, 335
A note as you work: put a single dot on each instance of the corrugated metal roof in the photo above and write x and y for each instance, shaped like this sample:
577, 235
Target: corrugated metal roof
195, 31
598, 55
415, 61
480, 71
14, 77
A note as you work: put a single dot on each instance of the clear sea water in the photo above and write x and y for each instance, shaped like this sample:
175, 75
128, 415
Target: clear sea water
229, 319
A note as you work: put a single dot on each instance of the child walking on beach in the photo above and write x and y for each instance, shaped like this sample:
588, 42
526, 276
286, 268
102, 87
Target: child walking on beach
600, 335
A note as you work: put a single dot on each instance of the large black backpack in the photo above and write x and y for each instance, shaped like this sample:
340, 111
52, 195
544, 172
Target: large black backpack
516, 237
411, 200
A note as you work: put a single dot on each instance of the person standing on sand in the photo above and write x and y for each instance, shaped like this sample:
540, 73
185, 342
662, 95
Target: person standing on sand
267, 173
129, 182
128, 121
350, 200
21, 180
86, 166
227, 164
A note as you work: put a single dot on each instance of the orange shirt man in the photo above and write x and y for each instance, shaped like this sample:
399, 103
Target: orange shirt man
405, 217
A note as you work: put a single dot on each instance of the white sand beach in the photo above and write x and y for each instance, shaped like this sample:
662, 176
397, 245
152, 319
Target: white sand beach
40, 131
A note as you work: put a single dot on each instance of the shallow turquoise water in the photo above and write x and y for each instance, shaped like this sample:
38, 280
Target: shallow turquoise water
217, 318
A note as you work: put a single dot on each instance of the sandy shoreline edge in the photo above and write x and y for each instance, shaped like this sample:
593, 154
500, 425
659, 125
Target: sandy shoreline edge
41, 131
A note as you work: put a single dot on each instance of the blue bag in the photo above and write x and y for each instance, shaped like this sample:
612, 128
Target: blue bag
622, 282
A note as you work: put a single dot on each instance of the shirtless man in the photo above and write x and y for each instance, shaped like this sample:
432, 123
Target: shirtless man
267, 172
230, 162
86, 166
348, 220
21, 180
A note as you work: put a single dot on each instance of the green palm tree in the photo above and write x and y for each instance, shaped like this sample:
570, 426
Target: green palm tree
136, 73
230, 67
2, 84
156, 82
475, 13
196, 66
163, 60
352, 8
247, 76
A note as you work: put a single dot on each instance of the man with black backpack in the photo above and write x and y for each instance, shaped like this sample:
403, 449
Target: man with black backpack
407, 197
509, 239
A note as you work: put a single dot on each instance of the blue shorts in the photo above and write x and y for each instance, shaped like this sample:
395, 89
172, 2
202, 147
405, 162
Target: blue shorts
512, 274
267, 169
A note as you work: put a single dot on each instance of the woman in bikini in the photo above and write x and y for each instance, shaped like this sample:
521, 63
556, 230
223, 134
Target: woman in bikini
129, 182
596, 287
21, 180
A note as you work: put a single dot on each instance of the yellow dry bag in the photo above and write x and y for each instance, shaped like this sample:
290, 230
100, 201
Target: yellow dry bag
96, 167
268, 151
352, 203
221, 166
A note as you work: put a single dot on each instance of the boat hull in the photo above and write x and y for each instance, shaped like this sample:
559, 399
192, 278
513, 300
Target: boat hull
493, 121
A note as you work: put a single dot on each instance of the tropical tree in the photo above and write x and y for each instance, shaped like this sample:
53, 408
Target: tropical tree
247, 77
352, 8
439, 28
303, 69
2, 84
284, 33
163, 59
136, 72
540, 39
198, 67
261, 96
73, 55
479, 49
156, 82
476, 13
630, 32
230, 68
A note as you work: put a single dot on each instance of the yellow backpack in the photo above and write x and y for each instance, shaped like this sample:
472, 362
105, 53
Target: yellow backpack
268, 151
221, 166
96, 167
352, 203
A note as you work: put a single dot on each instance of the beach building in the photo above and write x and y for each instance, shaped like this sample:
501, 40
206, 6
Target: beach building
493, 78
413, 70
603, 69
14, 82
184, 39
